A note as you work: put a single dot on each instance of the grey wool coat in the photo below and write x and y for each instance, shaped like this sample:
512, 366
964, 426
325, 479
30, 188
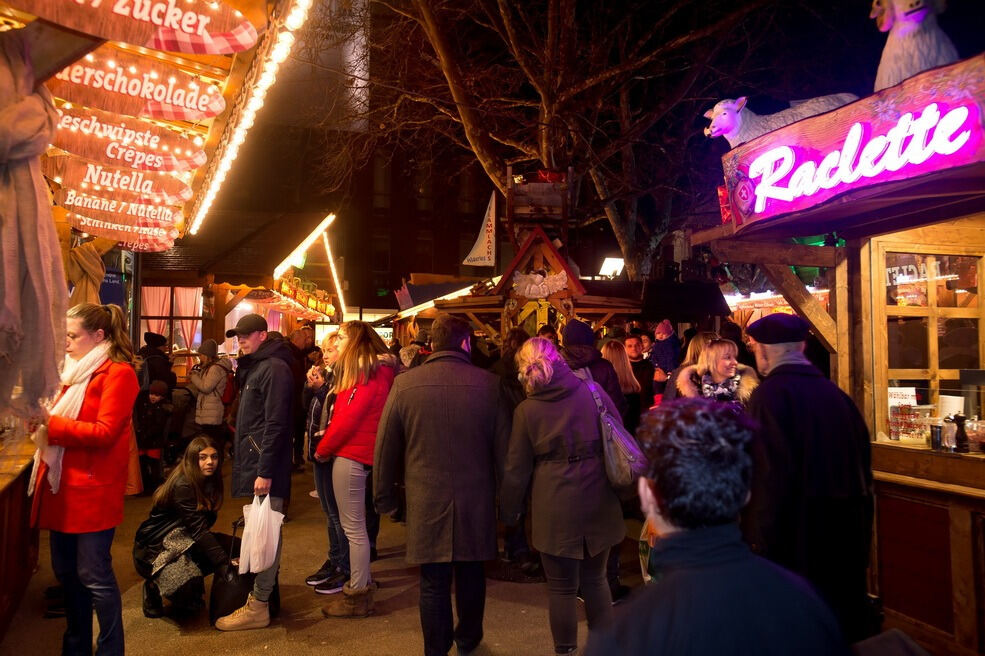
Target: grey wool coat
557, 441
444, 432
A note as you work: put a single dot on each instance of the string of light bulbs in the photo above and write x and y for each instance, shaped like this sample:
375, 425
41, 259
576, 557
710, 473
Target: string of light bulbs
274, 49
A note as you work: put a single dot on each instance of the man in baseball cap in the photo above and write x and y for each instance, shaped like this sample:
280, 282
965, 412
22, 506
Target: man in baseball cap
262, 462
812, 500
247, 325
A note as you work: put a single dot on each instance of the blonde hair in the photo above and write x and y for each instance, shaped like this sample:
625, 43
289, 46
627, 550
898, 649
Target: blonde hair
615, 352
359, 356
696, 345
715, 349
109, 319
536, 362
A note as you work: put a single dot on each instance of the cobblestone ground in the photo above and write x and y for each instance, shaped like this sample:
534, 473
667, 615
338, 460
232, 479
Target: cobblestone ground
515, 619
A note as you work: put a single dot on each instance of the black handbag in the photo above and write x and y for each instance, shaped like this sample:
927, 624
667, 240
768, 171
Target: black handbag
228, 595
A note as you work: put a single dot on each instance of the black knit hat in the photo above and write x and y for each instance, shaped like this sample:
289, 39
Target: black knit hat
578, 333
154, 339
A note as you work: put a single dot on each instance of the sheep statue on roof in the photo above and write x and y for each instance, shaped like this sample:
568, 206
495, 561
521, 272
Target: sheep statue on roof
730, 118
915, 43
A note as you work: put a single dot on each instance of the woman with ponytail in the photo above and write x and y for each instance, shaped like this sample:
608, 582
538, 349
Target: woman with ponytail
576, 515
80, 472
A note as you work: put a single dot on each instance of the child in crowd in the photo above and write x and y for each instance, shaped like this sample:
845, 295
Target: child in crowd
151, 422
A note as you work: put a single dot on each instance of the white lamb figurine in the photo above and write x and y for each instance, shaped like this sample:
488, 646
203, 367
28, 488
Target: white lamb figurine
915, 43
730, 118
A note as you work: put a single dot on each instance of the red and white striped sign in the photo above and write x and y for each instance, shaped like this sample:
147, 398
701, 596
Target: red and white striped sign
123, 141
83, 175
195, 26
122, 83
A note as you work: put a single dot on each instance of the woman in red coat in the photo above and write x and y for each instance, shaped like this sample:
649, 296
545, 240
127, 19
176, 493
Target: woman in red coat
81, 472
362, 383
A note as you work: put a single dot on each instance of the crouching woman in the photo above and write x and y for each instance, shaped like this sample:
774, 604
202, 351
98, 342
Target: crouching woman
174, 549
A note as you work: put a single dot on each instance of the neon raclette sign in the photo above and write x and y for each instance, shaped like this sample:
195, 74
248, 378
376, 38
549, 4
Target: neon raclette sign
910, 141
929, 123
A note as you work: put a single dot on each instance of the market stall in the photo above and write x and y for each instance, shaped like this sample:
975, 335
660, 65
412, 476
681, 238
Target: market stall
896, 180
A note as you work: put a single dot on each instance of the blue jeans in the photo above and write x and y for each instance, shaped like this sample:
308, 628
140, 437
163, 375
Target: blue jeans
338, 544
83, 565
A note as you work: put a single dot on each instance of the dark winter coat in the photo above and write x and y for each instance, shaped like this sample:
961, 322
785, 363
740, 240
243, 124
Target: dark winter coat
444, 431
666, 353
812, 498
264, 427
578, 356
643, 372
155, 366
151, 421
314, 401
180, 512
713, 597
505, 368
557, 440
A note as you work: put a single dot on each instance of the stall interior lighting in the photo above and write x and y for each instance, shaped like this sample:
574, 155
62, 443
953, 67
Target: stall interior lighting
738, 301
335, 273
296, 258
277, 44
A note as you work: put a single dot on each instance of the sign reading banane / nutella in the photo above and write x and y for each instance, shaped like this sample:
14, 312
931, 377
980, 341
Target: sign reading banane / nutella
123, 141
127, 210
76, 173
195, 26
122, 83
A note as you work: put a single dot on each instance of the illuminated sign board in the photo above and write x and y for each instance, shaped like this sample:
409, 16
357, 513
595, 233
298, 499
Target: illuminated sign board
123, 141
127, 210
86, 176
192, 26
931, 122
121, 83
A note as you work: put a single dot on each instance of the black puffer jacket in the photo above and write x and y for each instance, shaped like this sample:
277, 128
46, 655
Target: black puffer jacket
180, 512
603, 373
264, 420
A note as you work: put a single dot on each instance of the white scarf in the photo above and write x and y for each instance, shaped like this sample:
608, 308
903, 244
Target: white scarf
75, 377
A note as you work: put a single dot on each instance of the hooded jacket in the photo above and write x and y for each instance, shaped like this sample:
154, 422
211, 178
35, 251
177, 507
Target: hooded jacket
210, 384
264, 424
603, 373
688, 382
557, 440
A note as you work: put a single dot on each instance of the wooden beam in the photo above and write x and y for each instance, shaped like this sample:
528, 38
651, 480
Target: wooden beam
800, 299
492, 332
731, 250
711, 234
839, 301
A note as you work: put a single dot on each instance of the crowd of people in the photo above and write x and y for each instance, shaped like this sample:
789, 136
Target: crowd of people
757, 499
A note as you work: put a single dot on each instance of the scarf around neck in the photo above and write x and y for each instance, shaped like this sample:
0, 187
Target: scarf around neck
75, 379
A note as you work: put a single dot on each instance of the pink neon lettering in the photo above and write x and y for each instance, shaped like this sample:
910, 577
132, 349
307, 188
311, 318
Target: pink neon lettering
910, 141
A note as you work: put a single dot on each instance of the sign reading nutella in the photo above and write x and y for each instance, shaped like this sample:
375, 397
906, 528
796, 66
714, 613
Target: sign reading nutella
194, 26
930, 122
123, 141
121, 83
83, 175
131, 210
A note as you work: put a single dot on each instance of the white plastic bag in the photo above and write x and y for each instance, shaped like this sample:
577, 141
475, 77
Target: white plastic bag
260, 536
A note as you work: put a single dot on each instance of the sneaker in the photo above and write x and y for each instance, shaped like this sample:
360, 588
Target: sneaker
324, 573
332, 584
253, 615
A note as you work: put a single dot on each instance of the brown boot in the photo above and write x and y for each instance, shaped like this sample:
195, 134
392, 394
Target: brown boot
254, 615
351, 603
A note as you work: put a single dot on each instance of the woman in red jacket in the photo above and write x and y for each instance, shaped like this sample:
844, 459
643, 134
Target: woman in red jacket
362, 383
81, 472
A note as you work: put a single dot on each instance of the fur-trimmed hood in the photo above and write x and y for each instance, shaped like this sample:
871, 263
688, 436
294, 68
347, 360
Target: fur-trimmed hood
688, 382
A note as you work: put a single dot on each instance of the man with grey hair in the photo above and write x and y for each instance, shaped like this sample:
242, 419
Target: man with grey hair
812, 500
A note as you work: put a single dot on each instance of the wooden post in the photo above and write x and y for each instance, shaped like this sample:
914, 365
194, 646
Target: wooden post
839, 304
800, 299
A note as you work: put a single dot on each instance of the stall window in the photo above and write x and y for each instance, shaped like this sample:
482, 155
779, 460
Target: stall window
932, 325
175, 312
